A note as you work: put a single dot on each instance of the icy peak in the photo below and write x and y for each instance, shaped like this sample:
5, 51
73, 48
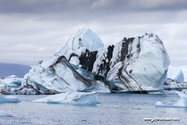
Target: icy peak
87, 38
83, 38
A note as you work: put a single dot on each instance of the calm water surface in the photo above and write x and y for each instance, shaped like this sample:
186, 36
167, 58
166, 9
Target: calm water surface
113, 109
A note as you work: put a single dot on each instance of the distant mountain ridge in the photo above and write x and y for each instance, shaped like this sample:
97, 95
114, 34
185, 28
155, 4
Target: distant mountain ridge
7, 69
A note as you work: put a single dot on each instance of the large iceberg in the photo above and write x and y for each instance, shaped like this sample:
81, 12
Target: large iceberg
73, 98
175, 73
134, 64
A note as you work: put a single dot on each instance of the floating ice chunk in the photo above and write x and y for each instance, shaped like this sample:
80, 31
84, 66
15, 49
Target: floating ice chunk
9, 99
73, 98
160, 104
6, 114
181, 103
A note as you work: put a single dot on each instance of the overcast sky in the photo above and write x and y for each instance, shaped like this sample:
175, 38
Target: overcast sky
31, 30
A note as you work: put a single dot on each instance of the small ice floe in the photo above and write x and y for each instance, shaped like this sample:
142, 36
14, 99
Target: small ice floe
72, 98
9, 99
161, 104
181, 103
6, 114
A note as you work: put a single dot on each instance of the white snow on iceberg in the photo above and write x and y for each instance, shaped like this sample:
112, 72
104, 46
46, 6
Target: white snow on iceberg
9, 99
6, 114
72, 98
175, 73
83, 38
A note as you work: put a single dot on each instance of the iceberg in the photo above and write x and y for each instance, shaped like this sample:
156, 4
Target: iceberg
181, 103
160, 104
9, 99
18, 86
60, 76
6, 114
134, 64
138, 64
82, 65
175, 73
62, 73
72, 98
12, 81
184, 70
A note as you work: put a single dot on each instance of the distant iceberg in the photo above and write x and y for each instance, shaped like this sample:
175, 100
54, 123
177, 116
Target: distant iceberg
171, 84
6, 114
72, 98
11, 81
175, 73
184, 70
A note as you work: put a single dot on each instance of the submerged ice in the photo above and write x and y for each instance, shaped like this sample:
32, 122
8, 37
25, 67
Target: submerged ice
73, 98
6, 114
9, 99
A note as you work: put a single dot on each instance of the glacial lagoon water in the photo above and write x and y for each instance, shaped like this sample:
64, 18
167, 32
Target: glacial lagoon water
112, 109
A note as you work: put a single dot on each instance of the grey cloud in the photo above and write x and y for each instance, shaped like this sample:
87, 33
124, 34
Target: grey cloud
41, 6
88, 6
32, 30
